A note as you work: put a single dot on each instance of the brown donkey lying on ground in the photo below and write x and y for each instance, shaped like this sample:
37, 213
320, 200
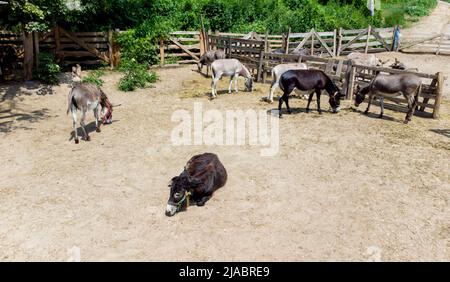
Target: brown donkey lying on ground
85, 97
409, 85
202, 175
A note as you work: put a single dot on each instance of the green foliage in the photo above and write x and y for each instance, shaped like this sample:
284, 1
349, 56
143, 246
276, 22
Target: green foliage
32, 15
94, 77
397, 12
135, 75
47, 70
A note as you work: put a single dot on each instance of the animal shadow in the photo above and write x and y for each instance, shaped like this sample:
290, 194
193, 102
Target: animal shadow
375, 115
89, 129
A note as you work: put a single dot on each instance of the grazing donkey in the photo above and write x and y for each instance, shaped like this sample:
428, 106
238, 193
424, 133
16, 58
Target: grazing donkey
202, 175
232, 68
277, 71
85, 97
309, 80
208, 58
409, 85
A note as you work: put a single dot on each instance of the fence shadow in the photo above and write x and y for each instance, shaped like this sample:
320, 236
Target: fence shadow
444, 132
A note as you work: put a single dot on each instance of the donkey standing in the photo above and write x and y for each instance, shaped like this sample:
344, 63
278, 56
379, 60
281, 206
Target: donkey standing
208, 58
232, 68
409, 85
85, 97
305, 80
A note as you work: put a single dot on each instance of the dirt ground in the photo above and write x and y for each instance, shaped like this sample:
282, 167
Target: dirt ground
343, 187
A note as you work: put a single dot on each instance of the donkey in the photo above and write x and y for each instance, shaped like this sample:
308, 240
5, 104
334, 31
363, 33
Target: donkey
409, 85
232, 68
85, 97
202, 175
309, 80
277, 71
208, 58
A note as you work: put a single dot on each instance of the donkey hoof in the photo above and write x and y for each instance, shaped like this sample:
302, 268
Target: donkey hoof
380, 116
77, 141
366, 112
88, 138
406, 121
98, 129
320, 112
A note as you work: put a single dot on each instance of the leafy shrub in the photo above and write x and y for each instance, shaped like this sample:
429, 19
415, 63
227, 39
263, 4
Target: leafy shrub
94, 77
135, 75
47, 70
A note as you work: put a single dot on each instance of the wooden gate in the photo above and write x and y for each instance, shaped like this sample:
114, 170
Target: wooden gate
365, 40
438, 44
87, 48
247, 51
316, 42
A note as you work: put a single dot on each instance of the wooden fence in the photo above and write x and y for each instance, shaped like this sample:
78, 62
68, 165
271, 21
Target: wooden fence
369, 40
248, 51
11, 54
438, 44
183, 47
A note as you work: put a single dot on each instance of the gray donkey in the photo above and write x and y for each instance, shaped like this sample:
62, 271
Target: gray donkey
208, 58
409, 85
85, 97
232, 68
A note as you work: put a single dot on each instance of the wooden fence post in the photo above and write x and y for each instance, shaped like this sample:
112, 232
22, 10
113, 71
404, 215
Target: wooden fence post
110, 48
351, 81
161, 52
28, 56
340, 42
334, 43
202, 43
369, 30
288, 41
439, 92
312, 44
266, 42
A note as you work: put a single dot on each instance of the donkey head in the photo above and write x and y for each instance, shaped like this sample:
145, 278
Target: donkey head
180, 191
359, 97
249, 84
335, 101
107, 108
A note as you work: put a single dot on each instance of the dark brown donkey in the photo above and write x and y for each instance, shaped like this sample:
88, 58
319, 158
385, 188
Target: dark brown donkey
202, 175
305, 80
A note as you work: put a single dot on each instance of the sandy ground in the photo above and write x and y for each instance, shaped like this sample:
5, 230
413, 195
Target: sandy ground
437, 22
343, 187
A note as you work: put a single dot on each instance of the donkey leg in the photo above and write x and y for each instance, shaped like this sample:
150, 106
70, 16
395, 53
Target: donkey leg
368, 104
272, 90
280, 103
309, 101
231, 83
214, 87
382, 107
411, 108
318, 92
236, 83
74, 120
286, 100
83, 124
97, 126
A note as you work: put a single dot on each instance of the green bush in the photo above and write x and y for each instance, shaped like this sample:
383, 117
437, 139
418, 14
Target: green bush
47, 70
94, 77
135, 75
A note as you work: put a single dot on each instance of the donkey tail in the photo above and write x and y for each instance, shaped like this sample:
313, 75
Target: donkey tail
70, 101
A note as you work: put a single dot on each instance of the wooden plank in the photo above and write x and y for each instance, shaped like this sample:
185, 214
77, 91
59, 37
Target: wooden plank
84, 45
110, 48
324, 44
184, 49
389, 70
304, 41
343, 47
369, 29
439, 94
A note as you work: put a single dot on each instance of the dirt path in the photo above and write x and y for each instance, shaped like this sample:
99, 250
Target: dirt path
437, 22
343, 187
